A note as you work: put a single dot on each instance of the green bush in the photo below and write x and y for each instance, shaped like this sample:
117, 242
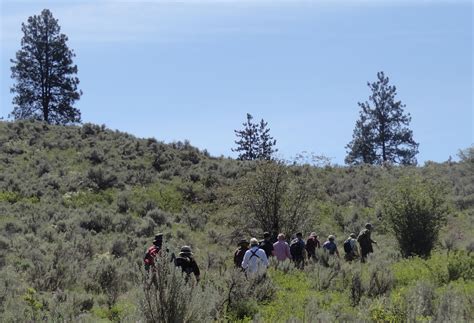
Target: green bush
416, 211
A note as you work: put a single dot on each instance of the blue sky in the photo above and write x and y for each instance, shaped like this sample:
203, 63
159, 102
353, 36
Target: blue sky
192, 69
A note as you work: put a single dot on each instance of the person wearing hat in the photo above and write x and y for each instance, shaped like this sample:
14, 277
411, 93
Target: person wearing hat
311, 244
281, 248
186, 262
365, 242
330, 246
255, 259
153, 251
267, 245
240, 252
350, 248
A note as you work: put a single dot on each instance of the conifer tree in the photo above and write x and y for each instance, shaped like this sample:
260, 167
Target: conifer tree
267, 143
254, 141
46, 82
381, 135
249, 141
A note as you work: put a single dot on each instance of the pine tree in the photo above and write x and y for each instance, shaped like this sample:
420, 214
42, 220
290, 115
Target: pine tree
254, 141
46, 85
381, 135
267, 143
249, 142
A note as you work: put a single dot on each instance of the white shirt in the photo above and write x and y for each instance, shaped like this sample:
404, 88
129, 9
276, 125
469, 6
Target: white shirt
255, 260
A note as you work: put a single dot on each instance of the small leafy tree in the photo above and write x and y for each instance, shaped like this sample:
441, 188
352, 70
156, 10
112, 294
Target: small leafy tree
416, 210
254, 141
46, 85
381, 135
274, 200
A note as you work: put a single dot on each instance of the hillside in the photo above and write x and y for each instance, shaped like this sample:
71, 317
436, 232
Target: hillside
80, 205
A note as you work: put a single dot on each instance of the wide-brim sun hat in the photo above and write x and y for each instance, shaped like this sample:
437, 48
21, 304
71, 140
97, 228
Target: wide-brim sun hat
186, 249
243, 242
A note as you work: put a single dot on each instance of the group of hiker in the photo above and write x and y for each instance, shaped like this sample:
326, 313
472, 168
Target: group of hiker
253, 256
184, 260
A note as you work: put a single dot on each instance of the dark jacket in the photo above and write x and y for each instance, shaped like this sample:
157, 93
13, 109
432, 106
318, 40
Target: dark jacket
239, 256
188, 265
267, 246
311, 244
365, 241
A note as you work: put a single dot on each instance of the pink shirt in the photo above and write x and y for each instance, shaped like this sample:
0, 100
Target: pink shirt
282, 250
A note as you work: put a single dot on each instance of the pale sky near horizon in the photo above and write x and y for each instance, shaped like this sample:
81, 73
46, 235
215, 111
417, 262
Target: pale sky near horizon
192, 69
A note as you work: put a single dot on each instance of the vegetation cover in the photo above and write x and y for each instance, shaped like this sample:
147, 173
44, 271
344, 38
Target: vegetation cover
79, 205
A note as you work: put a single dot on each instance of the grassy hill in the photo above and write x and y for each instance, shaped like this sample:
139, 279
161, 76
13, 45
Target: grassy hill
79, 206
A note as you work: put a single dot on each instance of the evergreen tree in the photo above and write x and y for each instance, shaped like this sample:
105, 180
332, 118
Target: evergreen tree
254, 141
267, 143
46, 85
381, 135
249, 142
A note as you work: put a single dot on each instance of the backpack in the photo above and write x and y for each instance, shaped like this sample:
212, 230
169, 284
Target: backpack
296, 248
150, 255
347, 246
185, 263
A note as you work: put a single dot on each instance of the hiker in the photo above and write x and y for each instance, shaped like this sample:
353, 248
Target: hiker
255, 259
365, 242
297, 249
266, 245
240, 252
153, 251
281, 248
330, 246
186, 261
311, 244
350, 248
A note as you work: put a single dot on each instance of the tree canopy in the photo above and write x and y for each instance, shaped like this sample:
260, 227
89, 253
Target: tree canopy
381, 134
46, 81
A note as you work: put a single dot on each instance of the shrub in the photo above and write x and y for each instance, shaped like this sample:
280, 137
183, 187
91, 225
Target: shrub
380, 280
356, 288
168, 298
119, 248
96, 221
460, 265
416, 211
105, 278
193, 220
123, 202
159, 216
420, 302
101, 179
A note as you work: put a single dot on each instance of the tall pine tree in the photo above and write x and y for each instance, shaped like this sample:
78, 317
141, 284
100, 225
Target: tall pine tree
254, 141
46, 82
381, 135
